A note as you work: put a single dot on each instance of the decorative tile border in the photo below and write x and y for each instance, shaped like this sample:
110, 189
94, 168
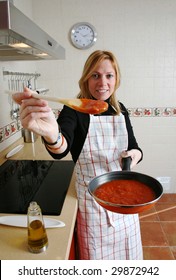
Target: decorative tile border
13, 127
9, 130
152, 112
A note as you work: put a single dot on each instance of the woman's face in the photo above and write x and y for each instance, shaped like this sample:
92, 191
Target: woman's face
102, 81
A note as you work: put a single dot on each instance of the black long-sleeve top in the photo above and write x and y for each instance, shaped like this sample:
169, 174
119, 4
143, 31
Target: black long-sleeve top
74, 127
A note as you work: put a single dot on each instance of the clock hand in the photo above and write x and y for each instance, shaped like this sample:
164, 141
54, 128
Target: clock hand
84, 35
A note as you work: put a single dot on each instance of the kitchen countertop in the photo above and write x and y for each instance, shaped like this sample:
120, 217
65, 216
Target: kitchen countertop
13, 240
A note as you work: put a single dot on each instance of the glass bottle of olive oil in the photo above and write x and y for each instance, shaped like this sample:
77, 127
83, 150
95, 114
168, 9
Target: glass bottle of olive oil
37, 237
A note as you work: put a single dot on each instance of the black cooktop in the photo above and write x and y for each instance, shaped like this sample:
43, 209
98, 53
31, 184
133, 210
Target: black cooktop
23, 181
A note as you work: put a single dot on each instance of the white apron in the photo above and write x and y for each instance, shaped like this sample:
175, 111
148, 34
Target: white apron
101, 234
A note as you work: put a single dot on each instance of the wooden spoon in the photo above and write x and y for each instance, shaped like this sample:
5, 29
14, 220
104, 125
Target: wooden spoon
88, 106
83, 105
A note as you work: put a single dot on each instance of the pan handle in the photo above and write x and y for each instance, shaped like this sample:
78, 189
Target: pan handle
126, 162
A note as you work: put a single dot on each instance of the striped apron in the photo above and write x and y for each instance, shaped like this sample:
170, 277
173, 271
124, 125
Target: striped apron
101, 234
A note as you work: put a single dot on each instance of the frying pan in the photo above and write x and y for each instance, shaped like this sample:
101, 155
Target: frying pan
126, 174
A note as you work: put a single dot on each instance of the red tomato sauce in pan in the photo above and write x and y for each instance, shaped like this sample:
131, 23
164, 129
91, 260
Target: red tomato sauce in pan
126, 192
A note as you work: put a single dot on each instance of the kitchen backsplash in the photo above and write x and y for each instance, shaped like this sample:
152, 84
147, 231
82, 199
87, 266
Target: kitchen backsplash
152, 112
15, 126
9, 130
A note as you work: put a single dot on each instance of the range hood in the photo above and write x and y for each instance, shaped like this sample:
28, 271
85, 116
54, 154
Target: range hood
22, 39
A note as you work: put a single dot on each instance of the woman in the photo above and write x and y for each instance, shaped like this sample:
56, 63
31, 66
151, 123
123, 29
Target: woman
97, 144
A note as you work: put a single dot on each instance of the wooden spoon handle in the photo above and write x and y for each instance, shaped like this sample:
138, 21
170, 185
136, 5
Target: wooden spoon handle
50, 98
41, 96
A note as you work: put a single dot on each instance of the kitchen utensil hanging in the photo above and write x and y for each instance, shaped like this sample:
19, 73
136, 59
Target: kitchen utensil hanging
16, 82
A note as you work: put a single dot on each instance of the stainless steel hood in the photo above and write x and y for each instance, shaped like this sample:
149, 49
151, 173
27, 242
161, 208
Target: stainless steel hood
22, 39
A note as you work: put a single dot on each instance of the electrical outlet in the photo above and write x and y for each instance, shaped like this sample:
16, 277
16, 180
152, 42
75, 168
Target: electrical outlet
165, 182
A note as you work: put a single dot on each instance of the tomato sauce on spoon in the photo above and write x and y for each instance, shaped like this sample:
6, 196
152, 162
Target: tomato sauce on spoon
90, 106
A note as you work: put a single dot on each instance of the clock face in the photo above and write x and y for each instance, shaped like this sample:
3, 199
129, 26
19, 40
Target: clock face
83, 35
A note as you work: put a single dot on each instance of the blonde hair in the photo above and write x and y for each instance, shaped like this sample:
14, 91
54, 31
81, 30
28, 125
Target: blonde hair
90, 65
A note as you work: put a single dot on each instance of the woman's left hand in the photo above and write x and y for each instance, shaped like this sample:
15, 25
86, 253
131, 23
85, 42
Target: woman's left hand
134, 154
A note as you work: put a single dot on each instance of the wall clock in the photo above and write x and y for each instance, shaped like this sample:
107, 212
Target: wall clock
83, 35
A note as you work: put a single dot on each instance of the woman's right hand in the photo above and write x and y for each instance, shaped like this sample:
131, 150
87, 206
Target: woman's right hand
36, 115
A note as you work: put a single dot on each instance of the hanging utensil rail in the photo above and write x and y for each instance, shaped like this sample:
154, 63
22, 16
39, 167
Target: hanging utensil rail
30, 75
16, 81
